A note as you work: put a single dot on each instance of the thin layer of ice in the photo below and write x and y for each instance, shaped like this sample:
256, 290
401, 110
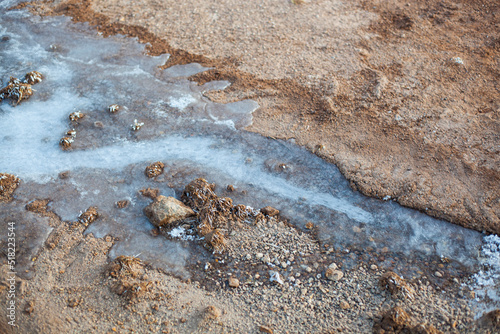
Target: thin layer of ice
187, 70
193, 136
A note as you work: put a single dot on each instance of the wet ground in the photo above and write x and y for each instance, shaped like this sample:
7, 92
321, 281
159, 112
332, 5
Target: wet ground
194, 137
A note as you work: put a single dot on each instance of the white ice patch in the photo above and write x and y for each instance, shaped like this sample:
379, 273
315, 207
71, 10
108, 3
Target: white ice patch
187, 70
181, 102
486, 283
180, 233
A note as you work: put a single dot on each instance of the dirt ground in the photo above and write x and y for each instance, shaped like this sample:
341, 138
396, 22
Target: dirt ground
269, 278
402, 96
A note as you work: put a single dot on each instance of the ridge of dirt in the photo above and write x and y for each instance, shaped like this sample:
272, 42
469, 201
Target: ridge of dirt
411, 114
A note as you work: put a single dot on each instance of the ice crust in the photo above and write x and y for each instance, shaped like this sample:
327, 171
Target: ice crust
486, 282
192, 135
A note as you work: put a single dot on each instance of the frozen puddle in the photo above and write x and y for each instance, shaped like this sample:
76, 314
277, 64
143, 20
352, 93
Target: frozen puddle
193, 136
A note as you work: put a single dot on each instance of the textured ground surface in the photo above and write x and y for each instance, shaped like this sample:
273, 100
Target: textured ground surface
403, 97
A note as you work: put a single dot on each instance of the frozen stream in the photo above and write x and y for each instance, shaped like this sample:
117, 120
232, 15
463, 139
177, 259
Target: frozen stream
193, 136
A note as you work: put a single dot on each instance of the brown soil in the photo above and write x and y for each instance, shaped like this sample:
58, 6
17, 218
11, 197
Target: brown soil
373, 86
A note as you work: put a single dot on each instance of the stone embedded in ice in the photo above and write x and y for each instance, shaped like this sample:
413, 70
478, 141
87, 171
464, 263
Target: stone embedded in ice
167, 210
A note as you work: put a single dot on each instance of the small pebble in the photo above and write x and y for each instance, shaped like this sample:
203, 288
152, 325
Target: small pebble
234, 282
333, 275
344, 305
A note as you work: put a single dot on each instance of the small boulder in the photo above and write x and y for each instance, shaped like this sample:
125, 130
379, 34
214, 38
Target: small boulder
166, 210
344, 305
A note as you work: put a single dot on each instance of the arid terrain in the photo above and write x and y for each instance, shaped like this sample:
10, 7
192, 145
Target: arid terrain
404, 97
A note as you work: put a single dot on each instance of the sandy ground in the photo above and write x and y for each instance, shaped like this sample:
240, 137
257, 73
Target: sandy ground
403, 97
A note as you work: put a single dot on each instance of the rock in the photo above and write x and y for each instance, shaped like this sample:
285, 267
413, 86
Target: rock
270, 211
396, 320
333, 266
166, 210
64, 175
334, 275
438, 274
75, 116
30, 307
397, 285
113, 108
73, 302
380, 84
265, 329
373, 267
266, 258
309, 225
234, 282
212, 312
122, 204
